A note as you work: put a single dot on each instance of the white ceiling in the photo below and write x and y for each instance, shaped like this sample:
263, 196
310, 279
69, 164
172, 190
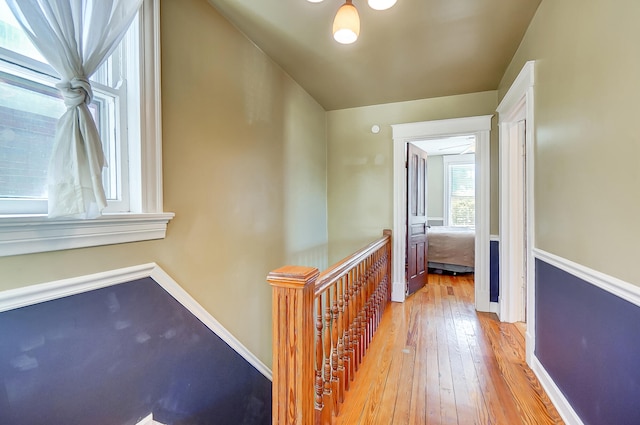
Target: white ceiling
418, 49
450, 146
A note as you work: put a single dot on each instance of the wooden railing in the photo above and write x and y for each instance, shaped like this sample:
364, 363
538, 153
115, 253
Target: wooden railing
322, 326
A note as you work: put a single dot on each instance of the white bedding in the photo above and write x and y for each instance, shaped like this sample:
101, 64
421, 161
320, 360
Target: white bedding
451, 245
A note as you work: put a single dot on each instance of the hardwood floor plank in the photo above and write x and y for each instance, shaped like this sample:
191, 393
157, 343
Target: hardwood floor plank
435, 360
433, 375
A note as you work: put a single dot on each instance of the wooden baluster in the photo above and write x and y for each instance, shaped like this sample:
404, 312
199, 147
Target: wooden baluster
379, 299
352, 335
374, 295
372, 298
319, 383
355, 322
341, 377
363, 310
346, 327
334, 346
365, 307
326, 338
293, 371
361, 318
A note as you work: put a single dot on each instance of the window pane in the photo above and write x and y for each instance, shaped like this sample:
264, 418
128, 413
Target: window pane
12, 37
462, 194
28, 115
30, 107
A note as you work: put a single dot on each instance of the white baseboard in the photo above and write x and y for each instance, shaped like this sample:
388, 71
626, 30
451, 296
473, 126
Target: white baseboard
28, 295
494, 307
558, 399
530, 345
398, 292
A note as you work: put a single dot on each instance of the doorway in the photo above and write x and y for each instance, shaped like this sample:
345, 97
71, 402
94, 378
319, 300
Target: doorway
517, 266
480, 128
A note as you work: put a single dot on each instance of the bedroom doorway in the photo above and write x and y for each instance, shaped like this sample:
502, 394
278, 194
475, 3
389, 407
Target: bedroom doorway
451, 207
478, 127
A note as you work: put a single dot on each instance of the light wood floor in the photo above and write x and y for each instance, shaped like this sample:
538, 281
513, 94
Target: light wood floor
434, 360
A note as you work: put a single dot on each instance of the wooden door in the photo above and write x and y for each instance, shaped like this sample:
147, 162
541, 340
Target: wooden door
416, 218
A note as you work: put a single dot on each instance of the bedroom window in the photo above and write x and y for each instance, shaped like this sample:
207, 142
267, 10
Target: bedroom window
459, 190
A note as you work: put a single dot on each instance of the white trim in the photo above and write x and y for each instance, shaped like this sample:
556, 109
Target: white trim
558, 399
494, 238
516, 105
612, 285
148, 420
24, 234
520, 86
28, 295
151, 109
29, 234
176, 291
480, 126
493, 307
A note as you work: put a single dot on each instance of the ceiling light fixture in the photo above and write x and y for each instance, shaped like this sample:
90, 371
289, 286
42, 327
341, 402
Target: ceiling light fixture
381, 4
346, 24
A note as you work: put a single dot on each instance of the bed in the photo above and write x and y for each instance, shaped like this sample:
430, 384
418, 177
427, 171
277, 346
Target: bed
451, 249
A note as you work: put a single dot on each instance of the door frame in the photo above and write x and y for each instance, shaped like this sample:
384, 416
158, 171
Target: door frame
516, 105
480, 127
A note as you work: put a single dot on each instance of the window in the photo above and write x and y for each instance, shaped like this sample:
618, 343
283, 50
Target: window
30, 106
126, 109
459, 190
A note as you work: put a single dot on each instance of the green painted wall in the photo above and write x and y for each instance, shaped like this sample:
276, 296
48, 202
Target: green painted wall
435, 186
244, 157
360, 163
587, 144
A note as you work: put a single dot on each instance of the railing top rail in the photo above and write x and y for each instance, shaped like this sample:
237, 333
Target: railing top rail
331, 275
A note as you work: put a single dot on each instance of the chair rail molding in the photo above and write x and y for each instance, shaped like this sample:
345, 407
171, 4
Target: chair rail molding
33, 294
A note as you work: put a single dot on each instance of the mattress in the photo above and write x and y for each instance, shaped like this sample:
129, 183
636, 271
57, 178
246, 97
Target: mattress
451, 246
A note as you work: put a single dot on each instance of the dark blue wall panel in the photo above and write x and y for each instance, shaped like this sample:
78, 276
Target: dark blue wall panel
588, 340
114, 355
494, 271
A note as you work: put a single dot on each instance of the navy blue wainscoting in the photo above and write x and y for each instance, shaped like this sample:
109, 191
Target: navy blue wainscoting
588, 340
494, 271
114, 355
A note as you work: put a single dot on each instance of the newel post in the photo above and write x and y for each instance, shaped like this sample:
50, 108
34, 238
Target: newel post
293, 344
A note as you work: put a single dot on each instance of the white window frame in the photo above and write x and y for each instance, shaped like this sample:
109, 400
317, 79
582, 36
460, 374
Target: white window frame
447, 160
30, 233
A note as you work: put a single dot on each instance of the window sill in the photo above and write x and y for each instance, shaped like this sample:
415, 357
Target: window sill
26, 234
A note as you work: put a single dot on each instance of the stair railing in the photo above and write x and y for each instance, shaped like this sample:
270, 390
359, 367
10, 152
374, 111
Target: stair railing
322, 326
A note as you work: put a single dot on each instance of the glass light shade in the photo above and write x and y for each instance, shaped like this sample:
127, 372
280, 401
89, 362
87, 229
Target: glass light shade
314, 1
381, 4
346, 24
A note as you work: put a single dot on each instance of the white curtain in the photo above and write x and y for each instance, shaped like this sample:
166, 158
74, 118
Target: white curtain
75, 37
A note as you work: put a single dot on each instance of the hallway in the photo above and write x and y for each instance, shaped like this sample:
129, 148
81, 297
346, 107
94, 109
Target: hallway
434, 360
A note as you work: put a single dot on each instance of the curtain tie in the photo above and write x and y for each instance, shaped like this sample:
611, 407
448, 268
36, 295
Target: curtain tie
75, 92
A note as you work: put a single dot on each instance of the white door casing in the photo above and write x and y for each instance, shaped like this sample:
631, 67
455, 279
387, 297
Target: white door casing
480, 127
516, 222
